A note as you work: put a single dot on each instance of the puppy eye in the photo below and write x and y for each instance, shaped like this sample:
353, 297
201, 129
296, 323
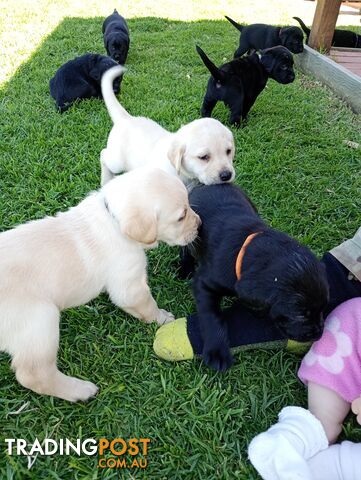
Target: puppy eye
180, 219
283, 67
205, 158
228, 151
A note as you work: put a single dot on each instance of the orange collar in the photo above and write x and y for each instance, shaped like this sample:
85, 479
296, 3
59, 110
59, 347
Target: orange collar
242, 252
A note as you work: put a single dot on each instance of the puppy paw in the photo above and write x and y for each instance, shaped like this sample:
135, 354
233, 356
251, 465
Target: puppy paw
164, 317
218, 358
78, 390
83, 390
185, 273
235, 123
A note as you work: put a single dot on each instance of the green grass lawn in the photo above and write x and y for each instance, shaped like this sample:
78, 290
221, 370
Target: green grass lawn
290, 159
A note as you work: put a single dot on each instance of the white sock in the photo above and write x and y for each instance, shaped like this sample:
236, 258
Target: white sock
281, 452
339, 462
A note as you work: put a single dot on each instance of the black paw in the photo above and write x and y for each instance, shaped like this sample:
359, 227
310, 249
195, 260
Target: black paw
235, 121
185, 272
206, 113
218, 358
187, 264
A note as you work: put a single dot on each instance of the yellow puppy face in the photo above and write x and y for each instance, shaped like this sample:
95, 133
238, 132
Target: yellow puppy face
152, 206
204, 149
177, 222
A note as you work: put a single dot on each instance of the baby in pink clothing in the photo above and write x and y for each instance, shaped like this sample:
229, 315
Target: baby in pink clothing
297, 446
332, 368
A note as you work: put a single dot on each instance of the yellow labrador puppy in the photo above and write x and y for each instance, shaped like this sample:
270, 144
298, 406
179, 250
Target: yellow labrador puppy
63, 261
201, 151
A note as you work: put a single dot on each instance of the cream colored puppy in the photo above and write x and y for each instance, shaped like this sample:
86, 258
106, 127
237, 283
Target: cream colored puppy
63, 261
201, 151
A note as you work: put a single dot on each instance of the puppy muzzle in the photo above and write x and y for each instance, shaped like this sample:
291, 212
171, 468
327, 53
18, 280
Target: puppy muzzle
303, 335
189, 238
225, 176
290, 78
298, 49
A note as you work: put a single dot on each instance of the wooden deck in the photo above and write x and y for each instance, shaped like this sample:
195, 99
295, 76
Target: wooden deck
345, 83
350, 58
355, 5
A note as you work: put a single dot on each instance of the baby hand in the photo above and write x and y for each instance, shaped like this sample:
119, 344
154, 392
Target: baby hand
356, 408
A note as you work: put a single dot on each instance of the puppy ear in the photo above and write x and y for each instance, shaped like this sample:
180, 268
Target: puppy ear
251, 295
176, 154
276, 310
139, 225
268, 61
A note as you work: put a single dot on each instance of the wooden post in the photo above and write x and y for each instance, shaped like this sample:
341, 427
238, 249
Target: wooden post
324, 23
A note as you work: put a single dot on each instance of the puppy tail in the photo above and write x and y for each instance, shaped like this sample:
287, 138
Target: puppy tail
115, 110
215, 72
235, 24
303, 26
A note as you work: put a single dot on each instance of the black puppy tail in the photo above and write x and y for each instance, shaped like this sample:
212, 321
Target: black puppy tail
303, 26
235, 24
215, 72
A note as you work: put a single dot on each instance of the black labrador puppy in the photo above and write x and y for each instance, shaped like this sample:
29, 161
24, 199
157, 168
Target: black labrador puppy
238, 254
116, 37
239, 82
341, 38
80, 78
259, 36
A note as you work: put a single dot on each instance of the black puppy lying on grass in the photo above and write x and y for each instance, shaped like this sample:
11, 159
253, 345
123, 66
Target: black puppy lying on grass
239, 255
80, 78
259, 36
116, 37
239, 82
341, 38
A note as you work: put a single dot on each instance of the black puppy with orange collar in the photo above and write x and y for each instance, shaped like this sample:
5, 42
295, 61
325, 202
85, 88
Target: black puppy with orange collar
259, 36
239, 82
237, 254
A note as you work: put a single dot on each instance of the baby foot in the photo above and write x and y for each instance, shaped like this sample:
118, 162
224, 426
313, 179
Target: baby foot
276, 459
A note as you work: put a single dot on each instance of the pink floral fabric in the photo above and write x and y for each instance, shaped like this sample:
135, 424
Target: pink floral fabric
334, 361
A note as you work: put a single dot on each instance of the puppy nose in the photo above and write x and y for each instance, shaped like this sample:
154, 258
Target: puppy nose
225, 175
